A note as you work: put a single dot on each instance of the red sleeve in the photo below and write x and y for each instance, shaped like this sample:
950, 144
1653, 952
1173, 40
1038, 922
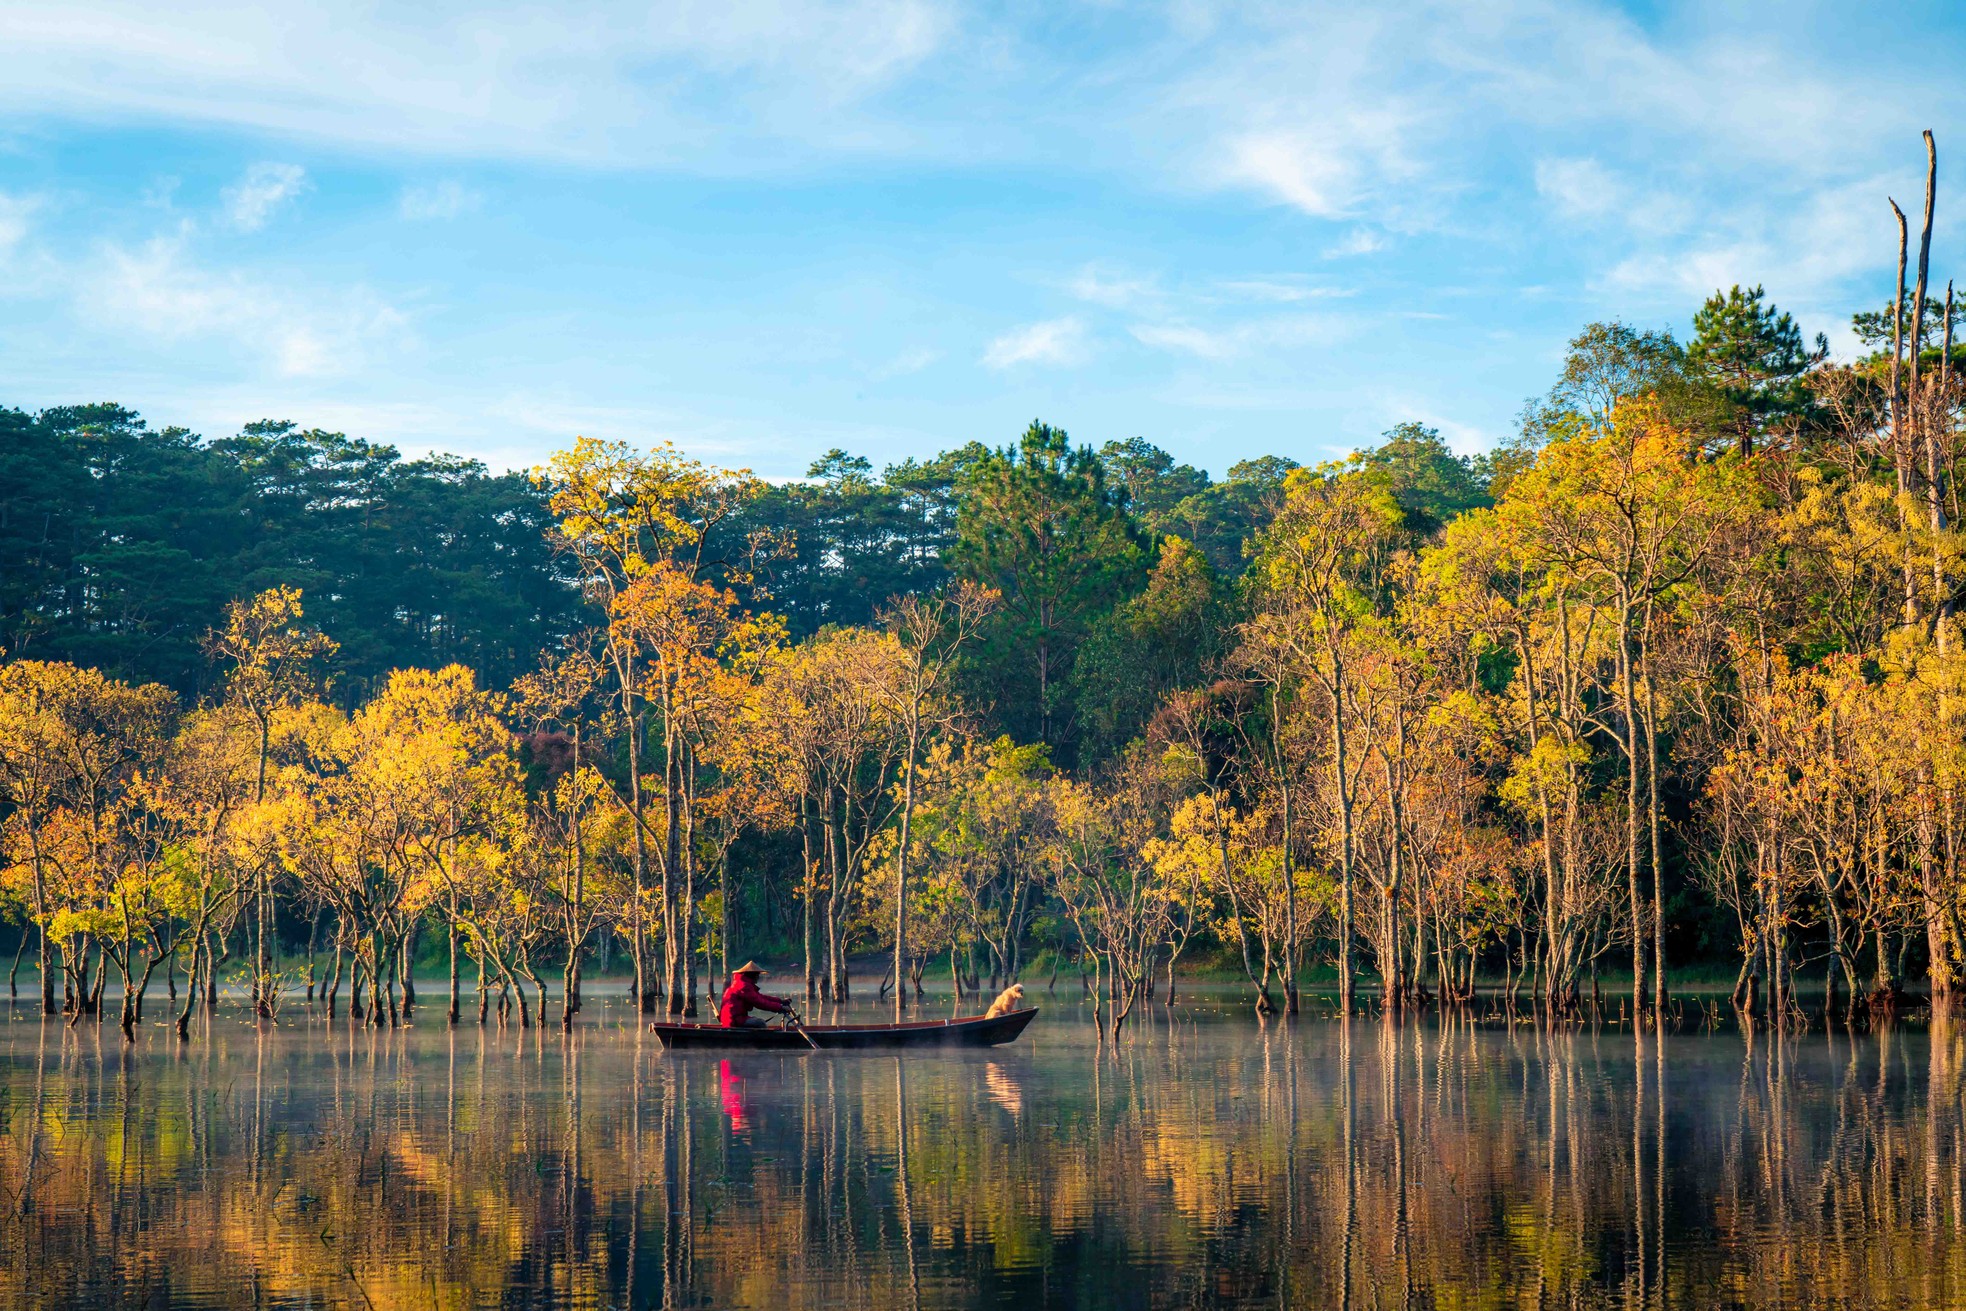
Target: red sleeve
762, 1002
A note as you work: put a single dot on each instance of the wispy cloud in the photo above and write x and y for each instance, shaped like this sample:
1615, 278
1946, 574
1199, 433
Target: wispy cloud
609, 83
1584, 191
436, 201
1306, 169
912, 360
157, 291
1807, 255
1359, 241
1281, 290
1052, 341
1186, 338
250, 201
1721, 125
14, 214
1100, 285
1282, 332
30, 272
1579, 188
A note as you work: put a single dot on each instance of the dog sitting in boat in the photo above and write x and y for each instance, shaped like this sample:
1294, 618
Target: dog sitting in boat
1010, 999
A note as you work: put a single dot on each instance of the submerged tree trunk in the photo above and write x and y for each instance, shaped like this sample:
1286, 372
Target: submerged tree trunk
901, 866
1345, 840
190, 990
451, 1014
1630, 705
1652, 817
644, 1000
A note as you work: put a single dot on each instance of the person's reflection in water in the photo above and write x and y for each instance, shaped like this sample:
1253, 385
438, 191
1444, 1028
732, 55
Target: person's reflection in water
734, 1107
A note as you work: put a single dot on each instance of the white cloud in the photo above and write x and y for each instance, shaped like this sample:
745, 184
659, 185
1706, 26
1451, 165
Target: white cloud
251, 200
1579, 188
1359, 241
1281, 291
1320, 107
1111, 289
1583, 191
1705, 137
14, 214
912, 360
1805, 256
156, 291
1185, 338
31, 273
1687, 272
1304, 169
1283, 332
447, 199
1053, 341
610, 82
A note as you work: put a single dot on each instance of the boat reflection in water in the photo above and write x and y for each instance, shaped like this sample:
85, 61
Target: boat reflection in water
1209, 1161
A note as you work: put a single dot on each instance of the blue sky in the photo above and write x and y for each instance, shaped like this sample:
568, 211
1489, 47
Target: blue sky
763, 230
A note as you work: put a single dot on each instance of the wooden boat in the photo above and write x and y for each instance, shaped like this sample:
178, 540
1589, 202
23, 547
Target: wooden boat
973, 1031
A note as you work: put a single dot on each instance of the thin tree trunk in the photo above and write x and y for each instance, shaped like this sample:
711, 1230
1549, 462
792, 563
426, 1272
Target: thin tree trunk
1631, 805
1289, 858
688, 908
190, 990
13, 975
674, 917
805, 840
1652, 817
644, 999
901, 862
1345, 838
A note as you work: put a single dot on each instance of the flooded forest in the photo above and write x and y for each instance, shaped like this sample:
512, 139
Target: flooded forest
1667, 684
1448, 878
935, 656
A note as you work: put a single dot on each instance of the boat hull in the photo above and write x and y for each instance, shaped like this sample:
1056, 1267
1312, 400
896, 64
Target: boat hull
976, 1031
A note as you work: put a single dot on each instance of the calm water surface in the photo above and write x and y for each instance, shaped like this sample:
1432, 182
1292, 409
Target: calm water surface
1208, 1162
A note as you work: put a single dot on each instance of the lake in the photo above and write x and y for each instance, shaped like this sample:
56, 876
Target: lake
1209, 1161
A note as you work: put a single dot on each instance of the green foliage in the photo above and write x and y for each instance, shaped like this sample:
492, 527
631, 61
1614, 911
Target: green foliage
1608, 362
1430, 482
1151, 645
1160, 493
1874, 327
1752, 355
120, 546
851, 540
1039, 524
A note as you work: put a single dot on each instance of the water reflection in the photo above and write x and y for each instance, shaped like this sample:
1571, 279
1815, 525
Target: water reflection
1209, 1162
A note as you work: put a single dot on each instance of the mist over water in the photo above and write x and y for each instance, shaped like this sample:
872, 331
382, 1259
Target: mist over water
1209, 1161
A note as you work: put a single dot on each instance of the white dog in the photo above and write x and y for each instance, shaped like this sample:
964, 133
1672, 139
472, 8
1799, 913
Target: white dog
1010, 999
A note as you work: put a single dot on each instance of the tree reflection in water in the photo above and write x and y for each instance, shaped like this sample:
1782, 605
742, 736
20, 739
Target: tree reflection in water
1207, 1162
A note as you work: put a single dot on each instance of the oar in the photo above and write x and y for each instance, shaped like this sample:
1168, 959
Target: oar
792, 1023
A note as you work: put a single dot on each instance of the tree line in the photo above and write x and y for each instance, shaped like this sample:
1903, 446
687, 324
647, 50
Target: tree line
1670, 675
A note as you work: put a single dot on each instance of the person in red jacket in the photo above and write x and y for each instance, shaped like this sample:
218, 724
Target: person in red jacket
742, 997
